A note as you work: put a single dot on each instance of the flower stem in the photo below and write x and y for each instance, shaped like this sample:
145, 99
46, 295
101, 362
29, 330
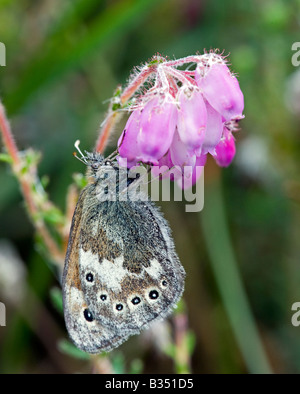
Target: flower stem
106, 130
27, 188
113, 115
8, 139
184, 60
137, 81
184, 78
12, 149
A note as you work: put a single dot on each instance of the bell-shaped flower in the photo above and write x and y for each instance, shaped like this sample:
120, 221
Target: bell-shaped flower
221, 89
157, 126
186, 182
181, 156
128, 146
192, 117
225, 150
214, 130
162, 169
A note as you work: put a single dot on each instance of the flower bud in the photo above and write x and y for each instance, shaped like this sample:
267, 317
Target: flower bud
225, 150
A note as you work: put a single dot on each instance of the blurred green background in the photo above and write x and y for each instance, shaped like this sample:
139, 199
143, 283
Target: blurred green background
241, 253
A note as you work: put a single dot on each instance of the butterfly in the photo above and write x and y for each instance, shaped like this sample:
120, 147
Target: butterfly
121, 269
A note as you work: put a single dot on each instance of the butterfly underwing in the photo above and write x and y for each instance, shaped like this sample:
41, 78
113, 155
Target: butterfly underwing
121, 270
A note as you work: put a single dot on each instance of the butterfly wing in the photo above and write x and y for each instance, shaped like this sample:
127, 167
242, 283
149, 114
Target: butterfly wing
88, 333
121, 270
129, 269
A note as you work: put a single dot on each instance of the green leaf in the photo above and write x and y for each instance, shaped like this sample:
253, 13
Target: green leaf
170, 350
53, 216
190, 342
6, 158
116, 106
30, 160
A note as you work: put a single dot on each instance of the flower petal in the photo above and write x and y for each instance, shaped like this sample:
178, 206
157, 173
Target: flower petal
128, 146
214, 130
181, 156
192, 118
157, 126
225, 150
187, 182
221, 89
161, 170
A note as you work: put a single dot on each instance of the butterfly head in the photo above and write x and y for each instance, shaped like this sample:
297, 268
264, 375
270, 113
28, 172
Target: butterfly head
93, 160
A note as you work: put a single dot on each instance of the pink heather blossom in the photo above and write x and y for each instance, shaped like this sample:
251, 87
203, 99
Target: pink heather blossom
184, 116
186, 182
128, 144
214, 130
225, 150
192, 118
221, 89
157, 126
164, 164
180, 156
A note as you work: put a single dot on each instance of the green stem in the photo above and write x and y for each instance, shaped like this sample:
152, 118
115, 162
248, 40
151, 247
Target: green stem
229, 281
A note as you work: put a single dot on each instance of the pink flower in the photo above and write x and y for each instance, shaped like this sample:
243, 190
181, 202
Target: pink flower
214, 130
162, 170
192, 118
184, 116
225, 150
180, 156
157, 126
221, 89
128, 145
187, 182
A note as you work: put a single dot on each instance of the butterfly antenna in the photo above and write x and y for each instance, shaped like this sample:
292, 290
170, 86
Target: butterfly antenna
113, 155
82, 158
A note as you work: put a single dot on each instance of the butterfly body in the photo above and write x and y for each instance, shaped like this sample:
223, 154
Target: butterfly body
121, 270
